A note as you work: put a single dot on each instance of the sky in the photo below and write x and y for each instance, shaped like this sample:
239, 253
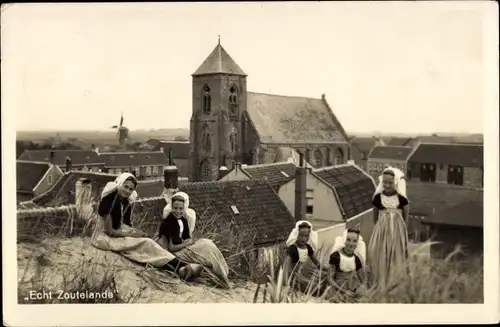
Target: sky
402, 67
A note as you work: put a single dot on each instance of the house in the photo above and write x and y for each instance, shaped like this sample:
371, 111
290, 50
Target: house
143, 164
276, 174
360, 149
80, 160
381, 157
64, 191
456, 164
230, 124
453, 215
180, 151
33, 178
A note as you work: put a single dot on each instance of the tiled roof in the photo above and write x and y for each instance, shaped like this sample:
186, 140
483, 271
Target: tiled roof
149, 189
134, 159
219, 62
446, 204
449, 139
452, 154
399, 141
354, 187
78, 157
28, 174
262, 219
180, 150
276, 174
63, 192
391, 152
289, 120
361, 147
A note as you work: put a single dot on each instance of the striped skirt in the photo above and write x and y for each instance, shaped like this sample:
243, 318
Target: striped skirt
388, 247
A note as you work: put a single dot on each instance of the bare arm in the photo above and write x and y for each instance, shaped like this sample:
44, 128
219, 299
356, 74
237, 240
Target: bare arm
110, 231
315, 261
177, 247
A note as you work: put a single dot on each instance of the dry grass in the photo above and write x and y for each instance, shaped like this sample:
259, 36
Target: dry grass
424, 280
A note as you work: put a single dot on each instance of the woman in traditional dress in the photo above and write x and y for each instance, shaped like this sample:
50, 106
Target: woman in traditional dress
176, 235
388, 247
347, 260
301, 250
114, 232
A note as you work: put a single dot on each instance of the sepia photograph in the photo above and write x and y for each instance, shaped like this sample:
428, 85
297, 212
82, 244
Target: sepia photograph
205, 157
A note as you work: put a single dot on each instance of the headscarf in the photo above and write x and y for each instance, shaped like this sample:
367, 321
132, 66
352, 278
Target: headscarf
118, 182
188, 213
359, 251
399, 182
313, 237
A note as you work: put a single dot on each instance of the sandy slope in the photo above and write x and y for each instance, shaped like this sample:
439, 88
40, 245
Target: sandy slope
76, 257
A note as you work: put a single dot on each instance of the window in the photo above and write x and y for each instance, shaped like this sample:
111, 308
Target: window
339, 157
233, 100
155, 170
148, 171
207, 100
318, 158
233, 139
309, 210
329, 157
455, 175
310, 201
49, 179
428, 172
206, 139
206, 169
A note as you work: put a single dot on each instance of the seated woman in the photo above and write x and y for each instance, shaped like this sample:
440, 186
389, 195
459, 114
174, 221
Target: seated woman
301, 247
114, 232
176, 235
346, 262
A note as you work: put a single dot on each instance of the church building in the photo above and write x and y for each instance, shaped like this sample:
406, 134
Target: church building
230, 124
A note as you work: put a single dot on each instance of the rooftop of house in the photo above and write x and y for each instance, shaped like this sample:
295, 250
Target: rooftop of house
219, 62
450, 139
78, 157
251, 207
286, 154
353, 187
465, 155
29, 174
134, 159
276, 174
149, 189
293, 120
63, 192
401, 153
400, 141
180, 149
446, 204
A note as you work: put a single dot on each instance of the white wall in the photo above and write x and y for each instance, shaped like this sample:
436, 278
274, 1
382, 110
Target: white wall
325, 205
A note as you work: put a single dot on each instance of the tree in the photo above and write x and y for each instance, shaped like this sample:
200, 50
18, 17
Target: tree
180, 138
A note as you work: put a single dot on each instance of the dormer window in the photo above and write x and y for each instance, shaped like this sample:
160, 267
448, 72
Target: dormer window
207, 100
285, 174
235, 210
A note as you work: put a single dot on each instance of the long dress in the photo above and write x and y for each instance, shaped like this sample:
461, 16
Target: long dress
388, 247
305, 276
203, 251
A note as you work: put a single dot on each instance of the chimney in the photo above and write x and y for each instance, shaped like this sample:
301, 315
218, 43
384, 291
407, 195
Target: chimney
300, 189
170, 174
96, 150
68, 164
323, 96
222, 171
51, 158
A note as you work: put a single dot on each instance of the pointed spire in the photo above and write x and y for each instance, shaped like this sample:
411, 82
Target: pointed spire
219, 62
218, 43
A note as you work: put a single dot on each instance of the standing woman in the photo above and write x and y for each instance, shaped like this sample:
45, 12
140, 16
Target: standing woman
114, 231
388, 246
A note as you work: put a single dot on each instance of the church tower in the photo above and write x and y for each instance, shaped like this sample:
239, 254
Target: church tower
219, 103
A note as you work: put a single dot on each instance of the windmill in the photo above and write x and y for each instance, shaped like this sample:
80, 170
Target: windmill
122, 132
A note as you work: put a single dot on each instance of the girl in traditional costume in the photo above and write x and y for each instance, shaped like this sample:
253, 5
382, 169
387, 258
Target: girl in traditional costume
388, 247
176, 235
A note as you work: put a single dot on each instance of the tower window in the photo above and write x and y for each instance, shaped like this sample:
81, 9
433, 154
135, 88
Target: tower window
318, 158
233, 100
206, 138
233, 139
206, 169
207, 100
339, 157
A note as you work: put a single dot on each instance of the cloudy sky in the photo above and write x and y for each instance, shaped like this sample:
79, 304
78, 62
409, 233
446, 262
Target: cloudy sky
396, 67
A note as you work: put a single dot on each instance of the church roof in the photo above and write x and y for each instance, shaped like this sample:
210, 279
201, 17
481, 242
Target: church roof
219, 62
293, 120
